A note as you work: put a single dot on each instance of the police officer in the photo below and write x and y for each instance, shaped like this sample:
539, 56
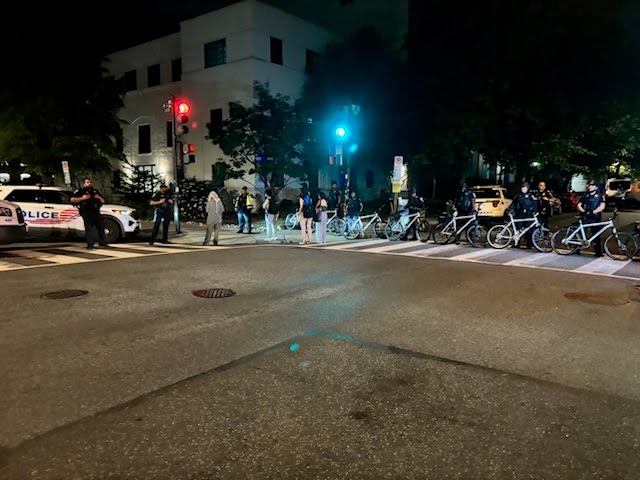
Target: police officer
163, 203
591, 206
465, 201
333, 198
545, 200
89, 201
524, 206
414, 205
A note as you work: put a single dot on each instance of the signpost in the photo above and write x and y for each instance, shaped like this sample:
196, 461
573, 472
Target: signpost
396, 180
67, 174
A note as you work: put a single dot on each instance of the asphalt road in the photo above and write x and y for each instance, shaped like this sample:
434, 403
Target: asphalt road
325, 364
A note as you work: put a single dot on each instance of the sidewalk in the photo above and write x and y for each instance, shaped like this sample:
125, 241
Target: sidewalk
193, 234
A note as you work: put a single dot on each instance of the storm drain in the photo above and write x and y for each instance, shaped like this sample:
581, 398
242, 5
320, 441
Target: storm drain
65, 294
214, 293
597, 299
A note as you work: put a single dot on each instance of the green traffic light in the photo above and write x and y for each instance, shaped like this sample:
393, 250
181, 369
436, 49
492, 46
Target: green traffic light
341, 132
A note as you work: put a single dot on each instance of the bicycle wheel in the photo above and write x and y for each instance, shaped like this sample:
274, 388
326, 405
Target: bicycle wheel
500, 236
337, 226
620, 246
541, 238
291, 221
441, 235
353, 231
423, 230
393, 230
378, 229
559, 246
477, 236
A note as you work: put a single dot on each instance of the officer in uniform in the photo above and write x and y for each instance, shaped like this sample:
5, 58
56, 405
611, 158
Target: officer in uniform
333, 198
89, 201
545, 200
524, 206
414, 205
465, 201
163, 203
591, 206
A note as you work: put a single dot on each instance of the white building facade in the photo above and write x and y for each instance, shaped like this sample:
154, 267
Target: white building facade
213, 60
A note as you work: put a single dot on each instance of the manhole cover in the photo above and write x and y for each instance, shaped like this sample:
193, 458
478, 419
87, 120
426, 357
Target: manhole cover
65, 294
597, 299
214, 293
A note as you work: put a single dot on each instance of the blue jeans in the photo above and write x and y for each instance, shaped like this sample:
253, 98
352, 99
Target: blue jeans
243, 219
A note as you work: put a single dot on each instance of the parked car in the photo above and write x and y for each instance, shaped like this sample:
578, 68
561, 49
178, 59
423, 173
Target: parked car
13, 228
492, 201
48, 211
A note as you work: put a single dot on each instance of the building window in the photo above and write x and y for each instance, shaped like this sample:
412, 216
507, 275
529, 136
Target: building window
176, 70
276, 50
311, 60
215, 53
169, 134
130, 81
144, 139
216, 120
369, 180
153, 75
145, 178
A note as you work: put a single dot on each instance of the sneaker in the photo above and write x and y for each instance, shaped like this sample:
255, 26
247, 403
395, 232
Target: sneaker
301, 242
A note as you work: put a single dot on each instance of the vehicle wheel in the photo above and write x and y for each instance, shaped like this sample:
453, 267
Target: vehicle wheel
541, 239
112, 231
500, 236
477, 236
423, 231
291, 221
620, 246
440, 236
393, 230
557, 244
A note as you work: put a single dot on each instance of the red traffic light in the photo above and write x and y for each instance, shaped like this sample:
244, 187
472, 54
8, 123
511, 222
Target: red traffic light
192, 148
183, 108
189, 148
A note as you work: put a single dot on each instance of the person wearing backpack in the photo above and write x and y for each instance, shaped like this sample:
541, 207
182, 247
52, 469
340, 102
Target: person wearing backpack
465, 202
270, 206
306, 212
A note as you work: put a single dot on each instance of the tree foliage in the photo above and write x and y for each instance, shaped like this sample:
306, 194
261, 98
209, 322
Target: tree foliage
262, 139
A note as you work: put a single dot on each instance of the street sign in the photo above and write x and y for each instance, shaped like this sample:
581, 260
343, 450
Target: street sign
398, 162
396, 186
65, 171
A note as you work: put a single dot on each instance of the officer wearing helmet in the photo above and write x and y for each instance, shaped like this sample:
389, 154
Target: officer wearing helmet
591, 206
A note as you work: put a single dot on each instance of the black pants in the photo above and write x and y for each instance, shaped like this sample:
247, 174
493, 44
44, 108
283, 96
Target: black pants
529, 234
94, 222
165, 219
597, 242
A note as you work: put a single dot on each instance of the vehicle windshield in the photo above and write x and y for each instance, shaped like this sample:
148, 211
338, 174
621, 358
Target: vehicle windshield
620, 185
486, 193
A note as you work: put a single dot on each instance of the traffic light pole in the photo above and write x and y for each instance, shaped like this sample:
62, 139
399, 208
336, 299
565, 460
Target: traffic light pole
176, 180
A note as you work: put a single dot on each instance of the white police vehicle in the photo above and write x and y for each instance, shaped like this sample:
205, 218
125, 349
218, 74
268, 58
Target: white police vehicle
48, 211
491, 201
13, 228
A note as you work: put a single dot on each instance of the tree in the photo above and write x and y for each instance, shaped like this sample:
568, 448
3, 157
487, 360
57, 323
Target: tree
262, 139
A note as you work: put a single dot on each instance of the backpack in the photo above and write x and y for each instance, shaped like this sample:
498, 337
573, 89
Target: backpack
273, 208
307, 206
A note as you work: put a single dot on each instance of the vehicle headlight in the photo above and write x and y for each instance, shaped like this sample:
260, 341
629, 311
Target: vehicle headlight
121, 212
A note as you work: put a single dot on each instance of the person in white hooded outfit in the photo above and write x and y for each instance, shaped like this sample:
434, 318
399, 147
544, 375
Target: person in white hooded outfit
215, 210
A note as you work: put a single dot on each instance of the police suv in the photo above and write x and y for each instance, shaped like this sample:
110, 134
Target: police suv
48, 211
13, 228
492, 201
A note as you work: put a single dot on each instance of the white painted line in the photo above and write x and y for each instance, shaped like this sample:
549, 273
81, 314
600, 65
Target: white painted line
603, 265
434, 251
476, 253
390, 247
50, 257
105, 252
534, 259
354, 244
158, 249
6, 266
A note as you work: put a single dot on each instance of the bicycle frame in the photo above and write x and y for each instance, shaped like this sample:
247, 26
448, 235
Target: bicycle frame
519, 233
457, 231
374, 217
584, 241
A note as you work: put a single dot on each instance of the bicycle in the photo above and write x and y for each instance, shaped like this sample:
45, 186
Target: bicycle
335, 225
451, 230
501, 236
354, 229
569, 240
293, 221
395, 228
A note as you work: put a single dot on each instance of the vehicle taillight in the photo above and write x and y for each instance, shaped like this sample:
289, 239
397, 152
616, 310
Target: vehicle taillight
496, 203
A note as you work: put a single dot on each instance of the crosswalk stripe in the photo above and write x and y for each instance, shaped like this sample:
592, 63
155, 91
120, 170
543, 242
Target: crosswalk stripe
434, 251
602, 265
107, 253
390, 247
533, 259
53, 258
475, 254
343, 246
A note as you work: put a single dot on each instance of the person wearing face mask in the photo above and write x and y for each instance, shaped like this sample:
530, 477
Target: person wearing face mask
591, 206
524, 206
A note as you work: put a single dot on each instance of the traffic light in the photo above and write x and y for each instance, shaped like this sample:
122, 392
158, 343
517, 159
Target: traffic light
182, 118
341, 132
188, 153
188, 148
